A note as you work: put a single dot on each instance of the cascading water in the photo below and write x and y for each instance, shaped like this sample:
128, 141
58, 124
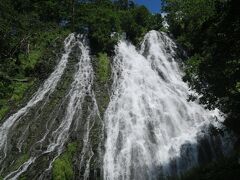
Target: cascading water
57, 133
46, 89
152, 129
80, 88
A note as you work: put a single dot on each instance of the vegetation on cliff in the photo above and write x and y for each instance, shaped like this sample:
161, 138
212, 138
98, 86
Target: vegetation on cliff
30, 36
209, 31
62, 166
29, 28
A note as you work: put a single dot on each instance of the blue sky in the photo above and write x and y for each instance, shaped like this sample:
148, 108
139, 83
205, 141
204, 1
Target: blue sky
152, 5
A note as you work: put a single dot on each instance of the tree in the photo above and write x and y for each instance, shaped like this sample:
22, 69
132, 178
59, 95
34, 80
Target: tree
209, 31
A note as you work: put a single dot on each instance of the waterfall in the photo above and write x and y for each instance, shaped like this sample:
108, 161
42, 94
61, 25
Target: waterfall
46, 89
152, 129
69, 114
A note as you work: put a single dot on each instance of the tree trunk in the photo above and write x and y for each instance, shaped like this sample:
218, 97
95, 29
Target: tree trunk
73, 14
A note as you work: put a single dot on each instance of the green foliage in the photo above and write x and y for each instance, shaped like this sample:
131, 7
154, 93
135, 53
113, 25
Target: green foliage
156, 22
16, 92
103, 68
3, 111
188, 15
28, 28
100, 20
192, 67
19, 89
18, 74
62, 166
209, 31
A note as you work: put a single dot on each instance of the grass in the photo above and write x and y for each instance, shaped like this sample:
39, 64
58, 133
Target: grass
19, 89
103, 68
30, 60
62, 166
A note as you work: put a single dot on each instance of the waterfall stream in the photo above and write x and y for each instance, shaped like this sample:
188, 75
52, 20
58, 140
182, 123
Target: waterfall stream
150, 130
46, 89
57, 134
149, 120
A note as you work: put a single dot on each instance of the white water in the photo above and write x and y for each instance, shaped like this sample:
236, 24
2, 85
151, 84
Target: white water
87, 151
149, 117
80, 88
15, 174
147, 121
46, 89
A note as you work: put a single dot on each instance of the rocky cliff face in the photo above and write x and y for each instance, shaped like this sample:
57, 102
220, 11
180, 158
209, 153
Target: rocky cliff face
84, 124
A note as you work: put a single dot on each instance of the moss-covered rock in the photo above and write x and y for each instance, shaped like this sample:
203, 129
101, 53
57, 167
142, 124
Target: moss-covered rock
21, 159
31, 127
